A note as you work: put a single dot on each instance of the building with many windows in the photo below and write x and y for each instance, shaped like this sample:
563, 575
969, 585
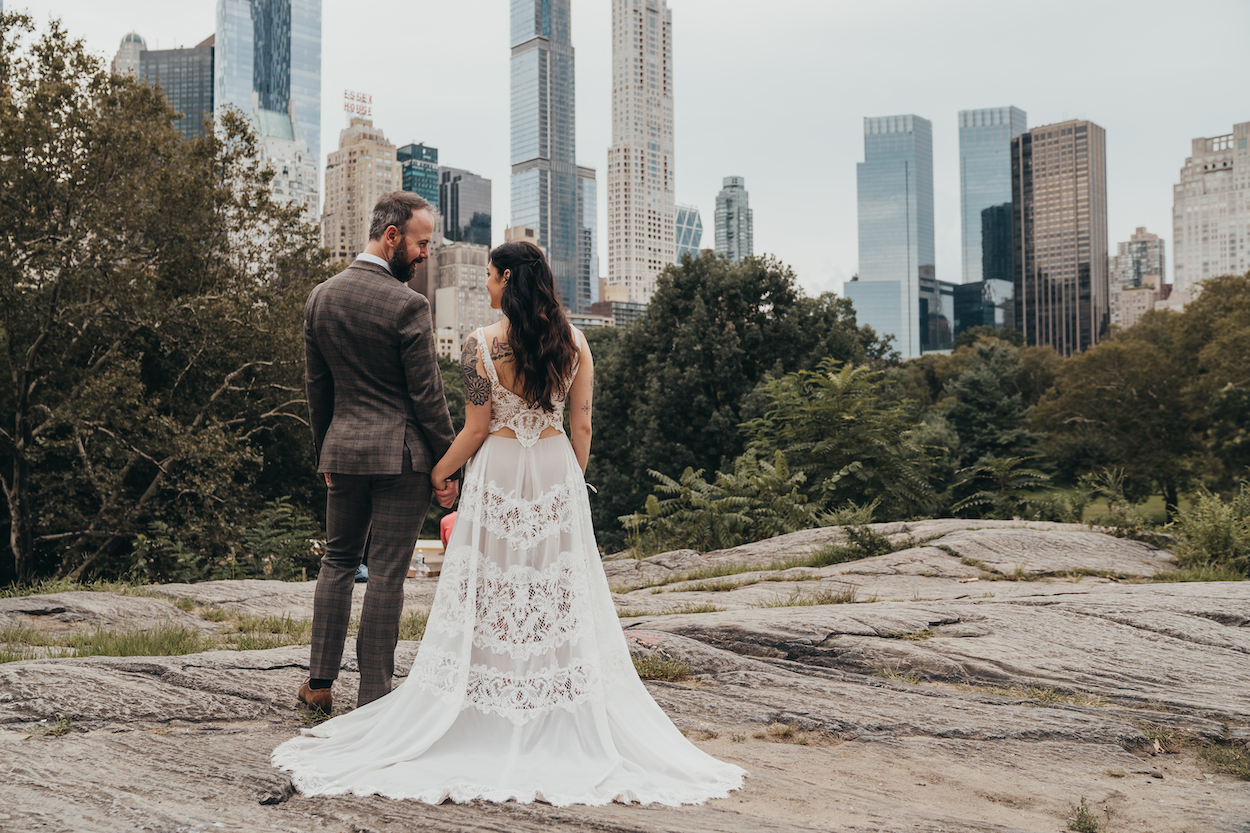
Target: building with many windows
420, 171
735, 222
358, 174
641, 169
1211, 212
461, 301
1138, 272
126, 61
896, 292
464, 201
688, 231
587, 240
544, 168
1059, 213
271, 48
985, 190
184, 75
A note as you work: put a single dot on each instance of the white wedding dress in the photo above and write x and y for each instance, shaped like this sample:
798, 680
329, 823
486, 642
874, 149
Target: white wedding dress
523, 687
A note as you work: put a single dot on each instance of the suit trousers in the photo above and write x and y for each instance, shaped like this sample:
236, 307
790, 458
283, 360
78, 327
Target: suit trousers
386, 511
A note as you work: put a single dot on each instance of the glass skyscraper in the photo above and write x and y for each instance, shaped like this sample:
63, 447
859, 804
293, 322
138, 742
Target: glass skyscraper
544, 168
186, 77
271, 48
464, 200
735, 222
895, 192
587, 239
689, 231
985, 185
420, 166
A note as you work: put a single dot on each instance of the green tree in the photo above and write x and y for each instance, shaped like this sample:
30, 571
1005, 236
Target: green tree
152, 294
670, 391
984, 406
841, 427
1124, 404
997, 487
972, 335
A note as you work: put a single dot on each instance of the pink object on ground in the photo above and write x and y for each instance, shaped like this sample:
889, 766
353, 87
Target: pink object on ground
445, 525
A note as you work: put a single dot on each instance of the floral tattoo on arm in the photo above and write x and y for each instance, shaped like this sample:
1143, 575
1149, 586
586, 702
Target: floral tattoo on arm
476, 386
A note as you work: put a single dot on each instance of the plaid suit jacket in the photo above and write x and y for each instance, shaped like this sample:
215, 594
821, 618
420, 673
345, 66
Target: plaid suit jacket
372, 375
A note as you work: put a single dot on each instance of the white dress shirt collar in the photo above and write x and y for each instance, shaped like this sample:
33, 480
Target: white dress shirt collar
368, 258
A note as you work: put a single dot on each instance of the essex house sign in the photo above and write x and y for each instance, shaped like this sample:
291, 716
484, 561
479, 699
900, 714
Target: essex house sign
358, 104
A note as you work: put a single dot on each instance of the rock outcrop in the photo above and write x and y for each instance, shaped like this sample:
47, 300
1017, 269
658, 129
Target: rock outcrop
984, 677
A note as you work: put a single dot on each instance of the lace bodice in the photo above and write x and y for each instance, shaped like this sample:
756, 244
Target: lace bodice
507, 410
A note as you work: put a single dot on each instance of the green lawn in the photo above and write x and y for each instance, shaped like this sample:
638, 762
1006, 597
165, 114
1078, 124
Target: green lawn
1152, 510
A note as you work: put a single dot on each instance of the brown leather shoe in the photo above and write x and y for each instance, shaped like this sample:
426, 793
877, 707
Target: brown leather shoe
319, 698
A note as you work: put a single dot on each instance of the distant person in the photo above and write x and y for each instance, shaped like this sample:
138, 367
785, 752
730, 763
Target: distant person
379, 422
523, 686
445, 527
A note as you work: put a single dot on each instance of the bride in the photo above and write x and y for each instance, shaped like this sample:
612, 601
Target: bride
523, 687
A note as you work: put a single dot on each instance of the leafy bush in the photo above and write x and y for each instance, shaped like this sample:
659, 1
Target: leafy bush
758, 500
997, 488
1215, 532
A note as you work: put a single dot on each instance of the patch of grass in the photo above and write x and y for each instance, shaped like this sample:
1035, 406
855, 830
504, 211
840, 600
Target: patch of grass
65, 585
912, 636
657, 667
215, 614
798, 598
738, 737
312, 715
1084, 820
63, 725
1230, 758
909, 677
1038, 694
707, 734
186, 603
686, 608
1115, 773
712, 586
254, 641
1201, 572
160, 640
412, 626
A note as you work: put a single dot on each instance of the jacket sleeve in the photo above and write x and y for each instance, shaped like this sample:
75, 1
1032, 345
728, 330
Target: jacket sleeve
318, 384
425, 382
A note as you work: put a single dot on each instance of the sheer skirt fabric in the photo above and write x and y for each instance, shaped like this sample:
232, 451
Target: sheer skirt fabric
523, 687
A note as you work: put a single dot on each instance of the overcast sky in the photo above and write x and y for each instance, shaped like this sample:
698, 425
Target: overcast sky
776, 92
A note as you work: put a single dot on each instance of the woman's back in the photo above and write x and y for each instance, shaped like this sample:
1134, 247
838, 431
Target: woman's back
511, 414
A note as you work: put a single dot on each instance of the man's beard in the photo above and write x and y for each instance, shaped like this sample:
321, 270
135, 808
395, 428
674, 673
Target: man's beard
402, 266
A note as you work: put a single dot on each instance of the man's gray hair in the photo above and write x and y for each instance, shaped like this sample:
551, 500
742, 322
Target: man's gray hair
396, 209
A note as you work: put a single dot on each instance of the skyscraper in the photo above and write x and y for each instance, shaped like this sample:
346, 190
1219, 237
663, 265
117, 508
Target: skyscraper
1211, 211
420, 164
1059, 214
186, 77
735, 222
271, 48
641, 168
360, 172
1137, 277
544, 167
895, 193
464, 200
689, 231
985, 186
587, 239
128, 51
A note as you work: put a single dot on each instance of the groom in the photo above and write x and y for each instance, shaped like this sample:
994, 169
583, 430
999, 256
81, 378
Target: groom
380, 422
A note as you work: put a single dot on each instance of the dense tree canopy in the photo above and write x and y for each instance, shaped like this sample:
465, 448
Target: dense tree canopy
152, 293
671, 388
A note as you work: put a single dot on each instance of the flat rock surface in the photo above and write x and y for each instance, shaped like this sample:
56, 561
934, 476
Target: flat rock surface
982, 679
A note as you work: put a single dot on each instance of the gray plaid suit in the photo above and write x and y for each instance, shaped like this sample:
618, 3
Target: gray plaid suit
379, 422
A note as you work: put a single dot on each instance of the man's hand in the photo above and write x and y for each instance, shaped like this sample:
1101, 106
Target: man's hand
446, 496
327, 474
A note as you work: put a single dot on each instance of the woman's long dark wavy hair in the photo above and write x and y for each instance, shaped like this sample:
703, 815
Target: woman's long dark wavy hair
538, 333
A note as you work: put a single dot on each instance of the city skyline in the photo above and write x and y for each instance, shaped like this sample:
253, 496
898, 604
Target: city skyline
806, 212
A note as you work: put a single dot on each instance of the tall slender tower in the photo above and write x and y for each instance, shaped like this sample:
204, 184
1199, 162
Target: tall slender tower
1059, 214
641, 208
895, 292
544, 167
735, 222
985, 189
